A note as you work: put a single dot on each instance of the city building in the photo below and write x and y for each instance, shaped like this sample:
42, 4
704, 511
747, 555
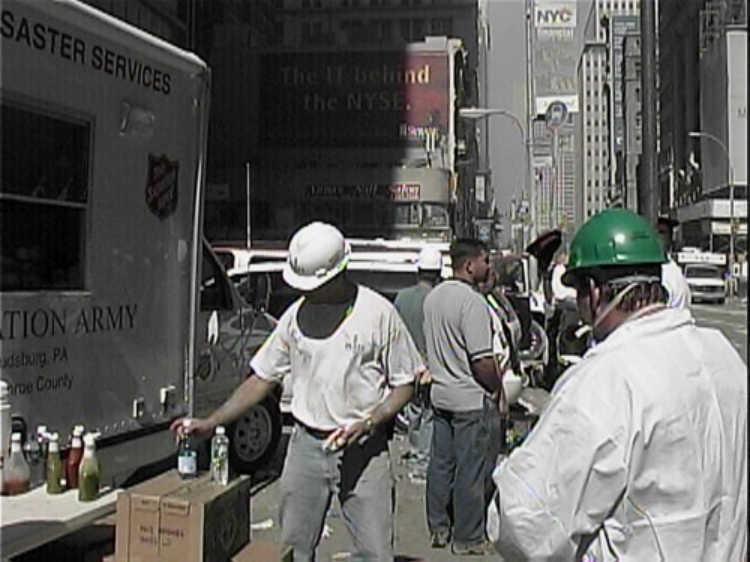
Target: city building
703, 57
600, 118
632, 129
556, 39
621, 27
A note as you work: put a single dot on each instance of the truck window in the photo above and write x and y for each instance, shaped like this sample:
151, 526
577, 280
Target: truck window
214, 288
43, 199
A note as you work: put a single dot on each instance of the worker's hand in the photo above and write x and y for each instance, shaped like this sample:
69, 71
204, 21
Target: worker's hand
423, 376
198, 426
344, 437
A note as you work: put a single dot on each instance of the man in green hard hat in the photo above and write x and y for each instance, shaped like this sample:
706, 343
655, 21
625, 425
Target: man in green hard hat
641, 453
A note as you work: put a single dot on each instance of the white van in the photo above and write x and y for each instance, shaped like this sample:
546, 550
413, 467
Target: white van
115, 313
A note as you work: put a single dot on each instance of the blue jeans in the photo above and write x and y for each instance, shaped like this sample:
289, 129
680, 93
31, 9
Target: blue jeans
361, 477
420, 439
457, 475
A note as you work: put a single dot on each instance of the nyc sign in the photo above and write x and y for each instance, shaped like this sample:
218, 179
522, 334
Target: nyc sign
554, 15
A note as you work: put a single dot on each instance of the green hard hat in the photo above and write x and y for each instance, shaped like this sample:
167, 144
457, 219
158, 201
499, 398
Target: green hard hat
614, 237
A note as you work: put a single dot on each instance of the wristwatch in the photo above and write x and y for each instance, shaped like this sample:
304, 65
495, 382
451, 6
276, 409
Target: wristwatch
369, 424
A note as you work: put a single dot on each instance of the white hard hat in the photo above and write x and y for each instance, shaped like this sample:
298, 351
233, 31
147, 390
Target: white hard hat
430, 259
317, 253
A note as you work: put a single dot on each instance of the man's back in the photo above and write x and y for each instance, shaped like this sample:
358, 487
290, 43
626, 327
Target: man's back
646, 434
723, 365
410, 305
457, 328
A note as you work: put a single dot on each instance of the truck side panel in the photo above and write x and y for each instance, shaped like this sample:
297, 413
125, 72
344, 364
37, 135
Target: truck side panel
101, 148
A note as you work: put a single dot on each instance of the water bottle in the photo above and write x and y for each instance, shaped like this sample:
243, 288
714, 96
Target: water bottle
187, 455
220, 457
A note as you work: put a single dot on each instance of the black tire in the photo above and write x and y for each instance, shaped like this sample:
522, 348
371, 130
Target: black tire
721, 301
254, 438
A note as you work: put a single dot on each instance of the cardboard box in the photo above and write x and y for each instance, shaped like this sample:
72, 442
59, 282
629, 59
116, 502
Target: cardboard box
261, 551
168, 519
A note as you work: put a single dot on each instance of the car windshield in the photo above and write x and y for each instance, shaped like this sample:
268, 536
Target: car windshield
703, 271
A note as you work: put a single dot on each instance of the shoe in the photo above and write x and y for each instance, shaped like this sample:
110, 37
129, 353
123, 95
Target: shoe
470, 549
440, 539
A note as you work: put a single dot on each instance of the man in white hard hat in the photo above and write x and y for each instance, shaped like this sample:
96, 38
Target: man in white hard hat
410, 304
351, 363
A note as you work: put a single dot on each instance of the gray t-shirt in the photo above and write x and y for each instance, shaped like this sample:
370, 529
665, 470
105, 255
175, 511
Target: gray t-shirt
458, 330
410, 305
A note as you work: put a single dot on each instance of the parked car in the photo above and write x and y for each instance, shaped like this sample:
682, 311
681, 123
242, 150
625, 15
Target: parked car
236, 260
262, 285
706, 283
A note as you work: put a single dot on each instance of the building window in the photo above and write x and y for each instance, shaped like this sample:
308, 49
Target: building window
43, 200
441, 26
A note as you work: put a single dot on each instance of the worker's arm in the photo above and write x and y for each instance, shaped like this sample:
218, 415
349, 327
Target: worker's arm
251, 392
269, 366
564, 481
381, 415
403, 365
247, 395
485, 373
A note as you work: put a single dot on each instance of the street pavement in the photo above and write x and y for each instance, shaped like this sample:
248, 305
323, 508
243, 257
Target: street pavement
729, 318
412, 539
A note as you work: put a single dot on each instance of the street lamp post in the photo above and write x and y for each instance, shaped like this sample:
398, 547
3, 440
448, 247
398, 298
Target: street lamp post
730, 179
474, 113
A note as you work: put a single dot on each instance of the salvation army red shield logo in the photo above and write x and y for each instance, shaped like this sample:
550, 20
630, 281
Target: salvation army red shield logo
161, 185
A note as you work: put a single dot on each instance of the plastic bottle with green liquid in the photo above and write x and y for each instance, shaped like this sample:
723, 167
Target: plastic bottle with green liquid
89, 471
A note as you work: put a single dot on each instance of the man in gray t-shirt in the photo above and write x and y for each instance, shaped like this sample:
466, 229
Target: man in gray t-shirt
458, 337
410, 305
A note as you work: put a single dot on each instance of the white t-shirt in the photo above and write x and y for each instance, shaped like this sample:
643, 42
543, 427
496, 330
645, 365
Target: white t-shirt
676, 285
340, 379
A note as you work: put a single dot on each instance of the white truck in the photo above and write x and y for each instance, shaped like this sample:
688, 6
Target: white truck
115, 313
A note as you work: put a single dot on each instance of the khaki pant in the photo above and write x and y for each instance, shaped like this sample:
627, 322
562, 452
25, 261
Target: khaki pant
361, 477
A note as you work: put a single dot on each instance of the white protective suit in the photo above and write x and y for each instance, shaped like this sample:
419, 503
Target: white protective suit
642, 452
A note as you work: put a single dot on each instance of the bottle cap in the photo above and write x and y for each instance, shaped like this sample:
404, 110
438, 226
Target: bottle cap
220, 430
89, 440
54, 437
41, 430
15, 436
77, 431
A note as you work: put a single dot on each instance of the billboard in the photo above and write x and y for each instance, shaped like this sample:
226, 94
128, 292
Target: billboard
556, 47
554, 15
367, 98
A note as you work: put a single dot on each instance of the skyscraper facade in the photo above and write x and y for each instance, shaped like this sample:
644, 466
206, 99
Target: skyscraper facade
600, 118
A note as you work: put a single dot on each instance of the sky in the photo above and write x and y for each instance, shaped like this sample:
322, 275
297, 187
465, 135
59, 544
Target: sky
507, 88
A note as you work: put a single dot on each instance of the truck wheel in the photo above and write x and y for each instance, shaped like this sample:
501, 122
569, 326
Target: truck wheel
254, 438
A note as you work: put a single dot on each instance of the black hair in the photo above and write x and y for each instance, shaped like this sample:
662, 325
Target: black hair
464, 249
